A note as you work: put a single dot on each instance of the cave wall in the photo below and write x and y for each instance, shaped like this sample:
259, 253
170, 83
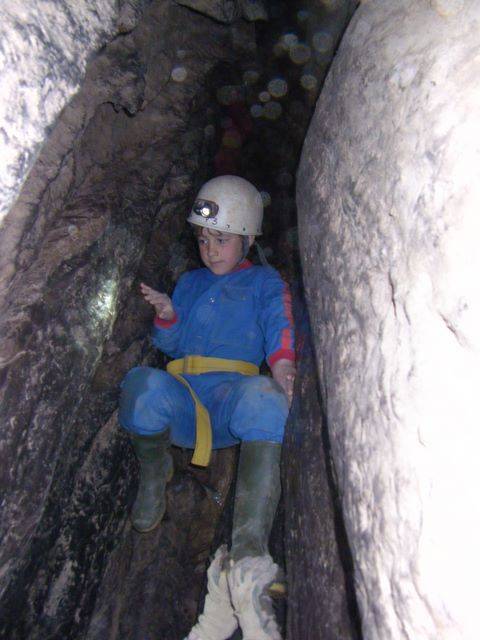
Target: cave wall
103, 208
321, 598
388, 195
44, 50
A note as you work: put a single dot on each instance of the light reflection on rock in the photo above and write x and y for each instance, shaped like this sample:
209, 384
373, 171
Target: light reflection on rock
322, 41
300, 53
448, 7
308, 81
264, 96
251, 76
179, 73
278, 87
254, 10
272, 110
101, 308
266, 198
290, 39
331, 5
228, 94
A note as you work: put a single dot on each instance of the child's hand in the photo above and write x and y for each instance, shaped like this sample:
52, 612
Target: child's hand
283, 372
162, 303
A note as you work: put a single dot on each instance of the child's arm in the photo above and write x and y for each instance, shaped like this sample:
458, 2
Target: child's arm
283, 371
168, 321
277, 323
161, 301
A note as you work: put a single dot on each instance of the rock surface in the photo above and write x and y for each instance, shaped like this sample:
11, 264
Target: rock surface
228, 11
321, 602
388, 192
98, 213
152, 583
44, 50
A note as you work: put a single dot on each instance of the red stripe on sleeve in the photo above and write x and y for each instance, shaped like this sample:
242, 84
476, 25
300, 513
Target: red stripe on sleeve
286, 350
281, 354
165, 324
287, 335
286, 340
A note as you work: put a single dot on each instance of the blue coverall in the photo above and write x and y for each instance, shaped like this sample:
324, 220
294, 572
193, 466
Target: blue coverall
242, 315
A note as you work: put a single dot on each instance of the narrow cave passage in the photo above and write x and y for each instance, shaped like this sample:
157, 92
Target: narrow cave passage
358, 123
179, 97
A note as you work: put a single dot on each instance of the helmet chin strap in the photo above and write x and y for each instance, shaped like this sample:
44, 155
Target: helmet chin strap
261, 255
246, 248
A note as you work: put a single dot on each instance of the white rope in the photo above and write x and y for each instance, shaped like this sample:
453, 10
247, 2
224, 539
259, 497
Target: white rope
217, 622
248, 580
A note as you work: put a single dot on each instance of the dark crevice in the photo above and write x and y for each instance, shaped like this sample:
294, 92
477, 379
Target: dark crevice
345, 552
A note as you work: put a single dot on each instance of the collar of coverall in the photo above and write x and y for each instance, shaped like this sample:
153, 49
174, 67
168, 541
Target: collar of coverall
245, 264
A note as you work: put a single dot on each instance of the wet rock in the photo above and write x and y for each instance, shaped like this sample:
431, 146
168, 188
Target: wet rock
222, 10
321, 601
153, 582
228, 11
388, 192
43, 62
103, 208
254, 10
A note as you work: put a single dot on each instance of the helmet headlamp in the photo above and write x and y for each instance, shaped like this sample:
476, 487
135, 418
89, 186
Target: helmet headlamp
205, 208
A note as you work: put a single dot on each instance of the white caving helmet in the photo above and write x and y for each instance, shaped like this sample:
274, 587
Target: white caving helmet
230, 204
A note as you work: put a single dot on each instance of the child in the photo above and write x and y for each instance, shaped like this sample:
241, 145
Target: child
222, 322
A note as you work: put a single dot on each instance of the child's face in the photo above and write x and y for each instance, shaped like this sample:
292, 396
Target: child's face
220, 252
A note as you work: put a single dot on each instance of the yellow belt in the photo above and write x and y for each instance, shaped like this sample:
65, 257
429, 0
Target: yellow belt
196, 365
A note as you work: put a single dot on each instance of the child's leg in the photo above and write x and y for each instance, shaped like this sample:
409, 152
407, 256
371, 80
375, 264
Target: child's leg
252, 410
257, 410
257, 494
150, 403
153, 401
258, 418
